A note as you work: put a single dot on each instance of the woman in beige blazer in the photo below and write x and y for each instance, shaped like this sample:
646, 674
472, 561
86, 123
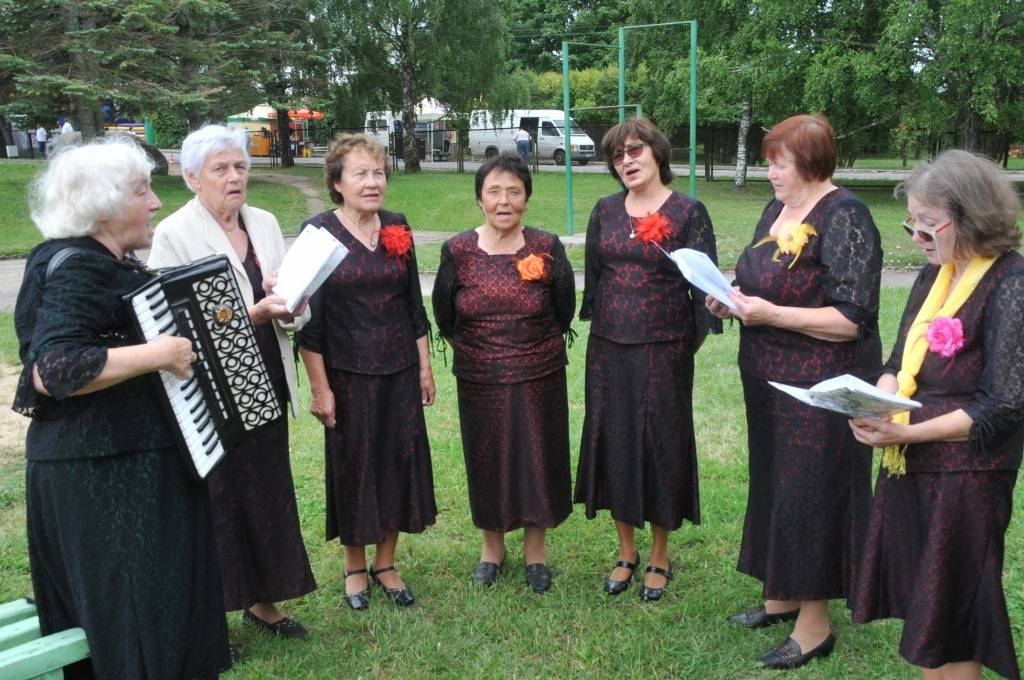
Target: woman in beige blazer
262, 556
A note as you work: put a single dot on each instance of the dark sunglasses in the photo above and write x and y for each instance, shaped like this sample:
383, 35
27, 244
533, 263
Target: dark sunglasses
910, 226
634, 151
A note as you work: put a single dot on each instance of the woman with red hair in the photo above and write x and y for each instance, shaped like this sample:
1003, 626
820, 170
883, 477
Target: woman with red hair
807, 299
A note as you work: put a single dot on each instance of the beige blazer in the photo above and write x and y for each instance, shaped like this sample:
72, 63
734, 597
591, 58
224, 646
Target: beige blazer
191, 233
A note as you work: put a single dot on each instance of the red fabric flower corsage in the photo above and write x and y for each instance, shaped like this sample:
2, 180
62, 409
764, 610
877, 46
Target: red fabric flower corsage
654, 228
397, 240
945, 336
532, 267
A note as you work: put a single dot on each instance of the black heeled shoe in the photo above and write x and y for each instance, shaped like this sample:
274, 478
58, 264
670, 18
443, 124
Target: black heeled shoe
613, 587
787, 653
538, 576
400, 596
486, 573
652, 594
359, 601
758, 617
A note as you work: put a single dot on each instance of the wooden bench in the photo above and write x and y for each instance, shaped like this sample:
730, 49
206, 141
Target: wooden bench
25, 653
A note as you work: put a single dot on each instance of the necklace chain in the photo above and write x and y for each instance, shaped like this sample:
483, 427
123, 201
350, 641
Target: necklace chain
374, 233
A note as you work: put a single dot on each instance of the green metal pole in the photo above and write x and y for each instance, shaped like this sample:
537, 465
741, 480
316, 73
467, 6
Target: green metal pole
693, 109
622, 73
567, 128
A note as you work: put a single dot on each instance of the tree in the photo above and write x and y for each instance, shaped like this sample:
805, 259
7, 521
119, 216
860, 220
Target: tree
405, 50
537, 28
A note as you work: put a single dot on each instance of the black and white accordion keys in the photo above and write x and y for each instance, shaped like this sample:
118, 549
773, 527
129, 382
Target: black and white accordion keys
230, 395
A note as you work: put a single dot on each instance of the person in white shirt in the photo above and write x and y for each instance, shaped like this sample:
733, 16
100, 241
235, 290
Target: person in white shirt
41, 140
66, 128
523, 144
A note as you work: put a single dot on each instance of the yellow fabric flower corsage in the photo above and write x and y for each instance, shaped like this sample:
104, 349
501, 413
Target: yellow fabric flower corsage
791, 241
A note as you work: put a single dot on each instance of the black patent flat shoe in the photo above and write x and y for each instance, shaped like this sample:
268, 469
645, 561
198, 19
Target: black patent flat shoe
539, 577
359, 601
285, 628
648, 594
757, 617
400, 596
486, 573
613, 587
787, 653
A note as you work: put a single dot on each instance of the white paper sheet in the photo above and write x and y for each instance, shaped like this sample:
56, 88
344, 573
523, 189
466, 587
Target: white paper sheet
699, 270
308, 263
850, 395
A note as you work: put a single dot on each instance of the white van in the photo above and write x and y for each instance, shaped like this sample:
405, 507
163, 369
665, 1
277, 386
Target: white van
488, 137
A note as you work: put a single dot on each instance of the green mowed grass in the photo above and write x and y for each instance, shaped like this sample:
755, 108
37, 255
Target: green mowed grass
575, 631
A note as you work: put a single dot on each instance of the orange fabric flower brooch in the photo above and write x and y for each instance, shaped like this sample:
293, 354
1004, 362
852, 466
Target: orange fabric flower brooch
532, 267
791, 241
397, 240
654, 228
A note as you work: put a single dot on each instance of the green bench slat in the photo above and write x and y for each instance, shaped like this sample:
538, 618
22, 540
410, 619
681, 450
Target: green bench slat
14, 634
16, 611
44, 655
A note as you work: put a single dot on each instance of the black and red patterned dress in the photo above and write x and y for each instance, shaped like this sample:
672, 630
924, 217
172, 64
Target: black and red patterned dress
934, 550
810, 480
638, 456
507, 335
366, 319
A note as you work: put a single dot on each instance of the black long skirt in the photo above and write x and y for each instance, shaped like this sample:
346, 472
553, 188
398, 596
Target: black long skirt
515, 439
934, 558
123, 547
379, 477
638, 457
808, 500
256, 521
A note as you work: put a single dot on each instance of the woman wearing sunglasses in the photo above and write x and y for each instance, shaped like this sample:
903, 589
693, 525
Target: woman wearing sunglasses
807, 299
934, 551
638, 454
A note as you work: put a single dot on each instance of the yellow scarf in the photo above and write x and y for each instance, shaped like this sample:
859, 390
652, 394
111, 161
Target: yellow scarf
940, 302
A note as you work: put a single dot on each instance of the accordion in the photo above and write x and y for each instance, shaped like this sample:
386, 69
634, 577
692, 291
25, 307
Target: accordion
230, 395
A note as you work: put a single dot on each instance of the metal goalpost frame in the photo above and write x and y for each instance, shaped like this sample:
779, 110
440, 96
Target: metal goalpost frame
622, 106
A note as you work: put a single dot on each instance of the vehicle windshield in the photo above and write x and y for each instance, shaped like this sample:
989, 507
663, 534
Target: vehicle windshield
575, 129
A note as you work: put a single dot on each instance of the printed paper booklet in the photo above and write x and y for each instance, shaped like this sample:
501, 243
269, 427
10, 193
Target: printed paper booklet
699, 270
308, 263
850, 395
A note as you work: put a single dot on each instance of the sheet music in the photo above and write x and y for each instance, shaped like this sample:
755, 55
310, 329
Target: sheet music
850, 395
308, 263
699, 270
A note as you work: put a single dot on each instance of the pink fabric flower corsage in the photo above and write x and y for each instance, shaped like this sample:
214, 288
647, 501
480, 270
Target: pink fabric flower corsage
945, 336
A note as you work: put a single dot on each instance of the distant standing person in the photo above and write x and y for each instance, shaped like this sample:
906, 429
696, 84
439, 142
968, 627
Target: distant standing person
523, 144
41, 140
67, 128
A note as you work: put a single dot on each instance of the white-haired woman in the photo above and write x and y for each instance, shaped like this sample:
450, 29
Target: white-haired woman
120, 541
262, 556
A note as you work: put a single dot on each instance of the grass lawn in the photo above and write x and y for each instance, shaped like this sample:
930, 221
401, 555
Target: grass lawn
457, 631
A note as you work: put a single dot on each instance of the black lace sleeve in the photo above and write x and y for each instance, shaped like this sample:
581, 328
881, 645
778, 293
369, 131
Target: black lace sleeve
443, 295
73, 323
700, 235
564, 288
998, 404
414, 299
851, 251
591, 263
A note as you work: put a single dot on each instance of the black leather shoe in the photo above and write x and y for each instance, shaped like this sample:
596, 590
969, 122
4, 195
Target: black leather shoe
400, 596
361, 600
757, 617
285, 628
539, 577
652, 594
486, 573
787, 653
613, 587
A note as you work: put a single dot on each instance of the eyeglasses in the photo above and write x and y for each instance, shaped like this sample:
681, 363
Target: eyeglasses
910, 226
634, 151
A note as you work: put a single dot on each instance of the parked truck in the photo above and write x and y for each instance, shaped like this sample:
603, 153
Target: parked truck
489, 136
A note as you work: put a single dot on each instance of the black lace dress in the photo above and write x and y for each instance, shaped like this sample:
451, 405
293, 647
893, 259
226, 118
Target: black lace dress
119, 537
810, 480
510, 368
255, 516
638, 455
934, 551
366, 319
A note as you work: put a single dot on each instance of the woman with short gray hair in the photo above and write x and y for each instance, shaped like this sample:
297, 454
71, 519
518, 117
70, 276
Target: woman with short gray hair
262, 555
934, 551
119, 537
